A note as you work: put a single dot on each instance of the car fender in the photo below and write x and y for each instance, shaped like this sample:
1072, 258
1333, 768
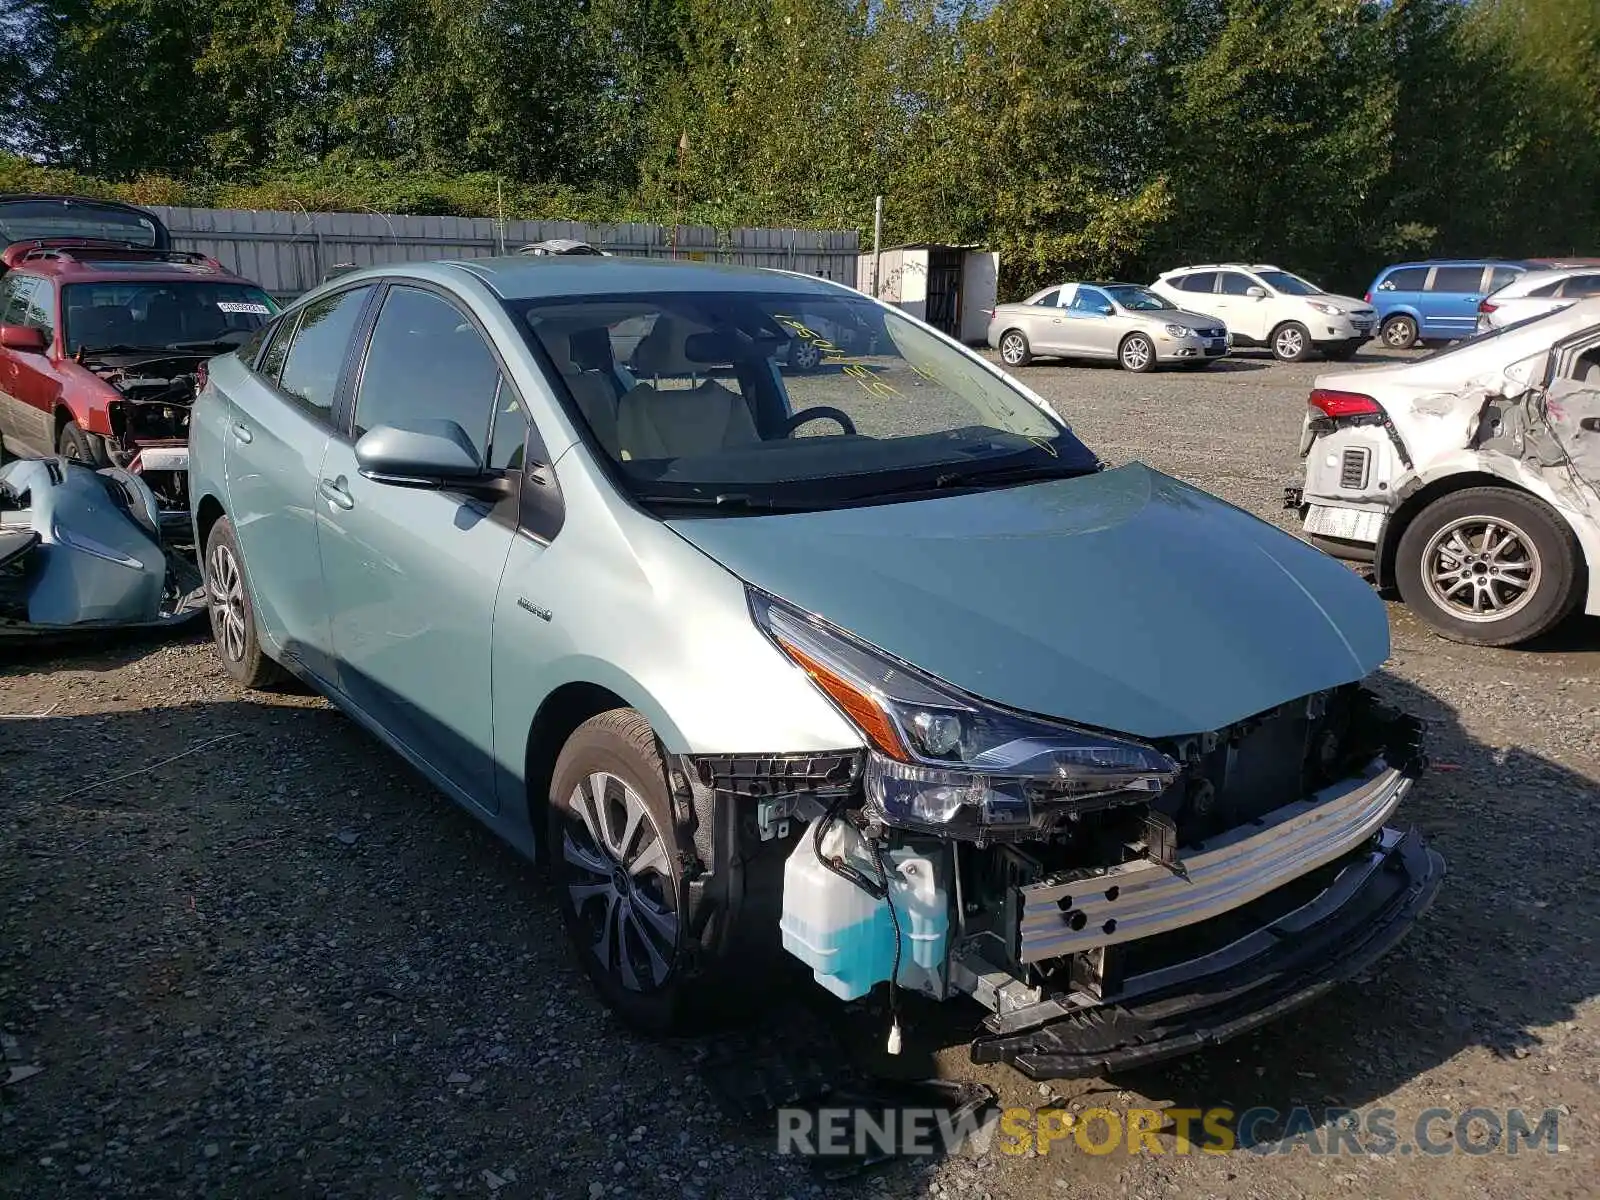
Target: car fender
1468, 468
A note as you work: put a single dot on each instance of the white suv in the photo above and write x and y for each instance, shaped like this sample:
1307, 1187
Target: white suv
1263, 305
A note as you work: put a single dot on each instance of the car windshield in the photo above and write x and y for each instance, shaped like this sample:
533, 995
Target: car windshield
756, 400
26, 220
1289, 285
1137, 299
164, 315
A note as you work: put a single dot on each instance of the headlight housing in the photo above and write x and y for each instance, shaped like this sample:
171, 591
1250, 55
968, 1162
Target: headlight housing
1177, 331
1332, 310
949, 763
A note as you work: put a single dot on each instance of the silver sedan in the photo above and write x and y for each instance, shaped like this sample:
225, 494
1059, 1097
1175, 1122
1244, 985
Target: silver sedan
1121, 321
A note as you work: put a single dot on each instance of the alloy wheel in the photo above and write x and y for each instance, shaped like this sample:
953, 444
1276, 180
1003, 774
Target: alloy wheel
1399, 334
1012, 349
225, 599
620, 882
1136, 354
1289, 344
805, 356
1481, 568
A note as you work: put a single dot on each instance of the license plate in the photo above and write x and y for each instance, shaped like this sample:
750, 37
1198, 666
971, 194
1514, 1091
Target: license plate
1347, 524
1216, 343
164, 458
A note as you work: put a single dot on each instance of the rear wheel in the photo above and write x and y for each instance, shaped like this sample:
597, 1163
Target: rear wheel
1399, 332
80, 446
233, 615
618, 871
1291, 342
1489, 566
805, 356
1014, 349
1137, 353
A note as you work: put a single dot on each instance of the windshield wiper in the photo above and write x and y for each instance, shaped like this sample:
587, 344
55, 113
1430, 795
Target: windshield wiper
207, 343
119, 348
972, 478
732, 501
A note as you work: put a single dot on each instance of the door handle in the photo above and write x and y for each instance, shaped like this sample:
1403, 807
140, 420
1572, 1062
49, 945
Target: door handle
242, 432
333, 492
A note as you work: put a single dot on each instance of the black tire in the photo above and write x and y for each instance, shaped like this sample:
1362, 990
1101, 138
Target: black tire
233, 615
1555, 572
1136, 353
624, 923
1399, 332
1290, 342
1014, 348
81, 446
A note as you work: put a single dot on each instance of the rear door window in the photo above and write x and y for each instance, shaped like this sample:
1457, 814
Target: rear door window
1459, 280
14, 292
1049, 299
1581, 285
1198, 281
1406, 279
316, 356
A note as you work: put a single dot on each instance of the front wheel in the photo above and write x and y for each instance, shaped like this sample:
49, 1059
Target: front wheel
1137, 353
618, 871
80, 446
1014, 349
1489, 566
233, 614
1399, 332
1291, 342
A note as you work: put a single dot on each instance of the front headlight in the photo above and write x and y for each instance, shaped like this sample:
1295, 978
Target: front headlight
1176, 331
943, 760
1332, 310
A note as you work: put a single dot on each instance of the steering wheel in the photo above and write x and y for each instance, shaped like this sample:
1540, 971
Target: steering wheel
811, 414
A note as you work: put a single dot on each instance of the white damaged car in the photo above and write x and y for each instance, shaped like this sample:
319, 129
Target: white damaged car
1469, 478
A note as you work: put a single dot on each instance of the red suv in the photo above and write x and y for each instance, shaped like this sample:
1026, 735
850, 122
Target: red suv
104, 338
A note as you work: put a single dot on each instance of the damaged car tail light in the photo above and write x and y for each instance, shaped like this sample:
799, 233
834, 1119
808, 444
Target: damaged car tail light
1485, 307
1336, 404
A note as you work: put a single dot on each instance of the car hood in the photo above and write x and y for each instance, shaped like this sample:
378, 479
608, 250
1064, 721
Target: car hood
1124, 600
1348, 303
1189, 320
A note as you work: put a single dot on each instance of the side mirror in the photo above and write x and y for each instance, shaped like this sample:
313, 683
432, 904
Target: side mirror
1256, 293
428, 454
1106, 310
26, 339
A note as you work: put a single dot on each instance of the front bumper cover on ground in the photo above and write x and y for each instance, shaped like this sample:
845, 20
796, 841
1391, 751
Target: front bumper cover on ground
1402, 879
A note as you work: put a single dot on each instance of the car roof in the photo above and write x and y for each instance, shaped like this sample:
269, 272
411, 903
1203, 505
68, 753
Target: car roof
1225, 266
1455, 262
556, 276
1551, 274
101, 263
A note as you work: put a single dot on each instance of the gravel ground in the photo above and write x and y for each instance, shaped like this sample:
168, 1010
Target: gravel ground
280, 965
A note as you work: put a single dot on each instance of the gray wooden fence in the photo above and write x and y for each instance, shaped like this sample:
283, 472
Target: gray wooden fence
290, 252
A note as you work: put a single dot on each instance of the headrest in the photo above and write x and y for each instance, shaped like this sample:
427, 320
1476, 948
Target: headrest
591, 349
660, 352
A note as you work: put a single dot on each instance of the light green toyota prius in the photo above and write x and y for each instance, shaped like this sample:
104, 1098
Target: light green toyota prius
789, 631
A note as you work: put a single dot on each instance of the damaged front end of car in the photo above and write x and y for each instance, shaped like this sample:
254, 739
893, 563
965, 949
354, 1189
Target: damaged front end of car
81, 550
1110, 901
150, 420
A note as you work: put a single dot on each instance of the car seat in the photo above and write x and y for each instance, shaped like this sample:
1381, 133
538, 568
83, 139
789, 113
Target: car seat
705, 418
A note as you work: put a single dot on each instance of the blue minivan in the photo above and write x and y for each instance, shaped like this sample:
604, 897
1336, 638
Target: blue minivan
1435, 300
